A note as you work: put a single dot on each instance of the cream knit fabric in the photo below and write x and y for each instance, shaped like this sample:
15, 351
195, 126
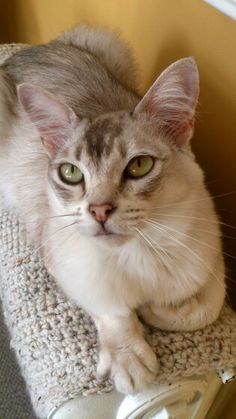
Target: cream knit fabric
8, 49
56, 342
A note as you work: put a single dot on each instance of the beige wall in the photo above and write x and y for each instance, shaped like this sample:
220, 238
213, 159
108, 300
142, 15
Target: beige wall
160, 31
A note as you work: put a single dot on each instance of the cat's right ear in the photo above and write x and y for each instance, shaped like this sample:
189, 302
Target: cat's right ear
54, 120
171, 101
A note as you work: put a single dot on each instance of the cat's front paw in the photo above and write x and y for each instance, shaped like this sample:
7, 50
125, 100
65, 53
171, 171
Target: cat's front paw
133, 366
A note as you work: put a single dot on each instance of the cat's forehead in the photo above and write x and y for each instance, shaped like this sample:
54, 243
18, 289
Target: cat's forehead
112, 140
119, 134
102, 137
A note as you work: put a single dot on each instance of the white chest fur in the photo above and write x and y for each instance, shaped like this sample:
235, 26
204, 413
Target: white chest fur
115, 279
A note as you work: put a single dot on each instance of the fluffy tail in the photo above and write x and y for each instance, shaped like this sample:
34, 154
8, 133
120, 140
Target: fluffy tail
106, 46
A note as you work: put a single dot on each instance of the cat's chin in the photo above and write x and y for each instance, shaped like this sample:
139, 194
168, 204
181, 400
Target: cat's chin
111, 238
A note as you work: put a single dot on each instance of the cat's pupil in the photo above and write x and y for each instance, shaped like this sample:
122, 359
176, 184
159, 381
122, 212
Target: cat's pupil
72, 169
139, 163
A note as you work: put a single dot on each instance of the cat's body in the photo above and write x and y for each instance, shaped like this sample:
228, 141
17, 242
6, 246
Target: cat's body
159, 248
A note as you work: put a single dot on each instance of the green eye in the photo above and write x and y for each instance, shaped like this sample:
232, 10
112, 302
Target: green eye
139, 166
70, 174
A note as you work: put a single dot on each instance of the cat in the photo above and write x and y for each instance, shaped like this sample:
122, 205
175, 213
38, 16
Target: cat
110, 192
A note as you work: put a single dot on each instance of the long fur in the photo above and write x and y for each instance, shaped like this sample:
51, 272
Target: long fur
108, 48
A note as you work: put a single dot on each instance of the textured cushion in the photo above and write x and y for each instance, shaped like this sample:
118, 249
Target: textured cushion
6, 50
56, 342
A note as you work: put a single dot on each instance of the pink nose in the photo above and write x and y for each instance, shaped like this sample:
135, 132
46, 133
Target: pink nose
101, 212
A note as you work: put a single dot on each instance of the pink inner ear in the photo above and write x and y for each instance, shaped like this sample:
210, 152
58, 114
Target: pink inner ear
51, 145
53, 119
184, 132
172, 99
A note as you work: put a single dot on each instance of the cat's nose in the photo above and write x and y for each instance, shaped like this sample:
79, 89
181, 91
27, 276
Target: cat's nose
101, 212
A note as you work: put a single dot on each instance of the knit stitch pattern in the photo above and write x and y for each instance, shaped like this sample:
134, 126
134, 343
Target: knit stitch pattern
6, 50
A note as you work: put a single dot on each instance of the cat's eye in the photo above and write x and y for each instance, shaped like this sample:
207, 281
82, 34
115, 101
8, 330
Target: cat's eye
69, 173
139, 166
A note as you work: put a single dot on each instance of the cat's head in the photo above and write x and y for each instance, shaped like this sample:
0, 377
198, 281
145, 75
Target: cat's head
110, 174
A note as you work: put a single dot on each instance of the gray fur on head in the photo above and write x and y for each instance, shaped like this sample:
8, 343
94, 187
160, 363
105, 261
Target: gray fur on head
108, 48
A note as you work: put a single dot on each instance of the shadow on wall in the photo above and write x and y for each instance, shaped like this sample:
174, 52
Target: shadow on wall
8, 22
11, 27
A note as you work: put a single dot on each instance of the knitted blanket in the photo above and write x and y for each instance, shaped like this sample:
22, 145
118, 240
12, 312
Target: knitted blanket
56, 342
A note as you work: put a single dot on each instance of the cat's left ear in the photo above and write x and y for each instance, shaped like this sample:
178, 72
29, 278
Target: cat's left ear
172, 99
54, 120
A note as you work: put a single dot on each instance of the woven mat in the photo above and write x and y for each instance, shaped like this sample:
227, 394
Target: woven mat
8, 49
56, 342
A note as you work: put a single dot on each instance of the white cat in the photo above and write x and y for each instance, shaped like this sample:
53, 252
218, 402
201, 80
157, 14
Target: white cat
109, 190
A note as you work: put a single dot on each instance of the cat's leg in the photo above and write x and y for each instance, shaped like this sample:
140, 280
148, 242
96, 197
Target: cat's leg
124, 353
192, 314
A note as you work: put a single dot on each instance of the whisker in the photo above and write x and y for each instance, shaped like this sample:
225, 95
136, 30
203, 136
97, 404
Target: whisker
163, 229
200, 229
64, 215
46, 258
155, 249
191, 237
52, 235
137, 231
147, 240
226, 276
196, 200
170, 270
208, 220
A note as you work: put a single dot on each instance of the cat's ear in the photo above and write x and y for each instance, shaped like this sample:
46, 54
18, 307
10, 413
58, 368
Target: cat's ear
54, 120
172, 99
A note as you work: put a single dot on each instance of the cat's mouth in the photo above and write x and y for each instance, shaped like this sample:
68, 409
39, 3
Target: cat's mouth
104, 233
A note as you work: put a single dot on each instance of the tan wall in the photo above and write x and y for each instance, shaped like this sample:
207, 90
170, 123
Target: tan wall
160, 31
